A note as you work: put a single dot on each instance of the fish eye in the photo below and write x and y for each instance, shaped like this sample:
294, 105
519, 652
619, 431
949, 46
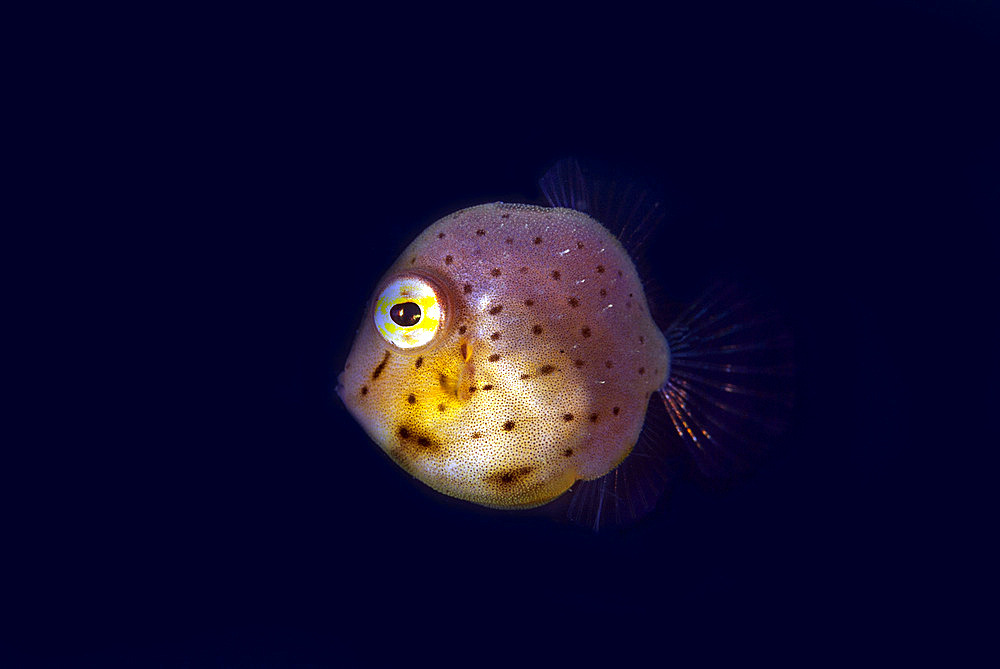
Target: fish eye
409, 311
406, 314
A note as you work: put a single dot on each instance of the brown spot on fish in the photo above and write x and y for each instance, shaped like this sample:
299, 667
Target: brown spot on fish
467, 288
642, 370
506, 215
495, 336
528, 303
494, 357
609, 364
567, 417
604, 293
616, 410
508, 426
508, 476
523, 270
600, 269
579, 363
440, 407
592, 418
568, 452
509, 240
476, 435
480, 232
462, 329
546, 369
537, 329
448, 260
488, 386
585, 331
496, 310
579, 245
440, 235
525, 377
419, 362
378, 369
495, 271
538, 240
412, 399
364, 390
573, 302
555, 274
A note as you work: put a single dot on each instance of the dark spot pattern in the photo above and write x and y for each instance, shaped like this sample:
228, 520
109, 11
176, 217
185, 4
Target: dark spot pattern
488, 386
579, 363
568, 452
573, 302
440, 407
567, 417
378, 369
480, 232
412, 399
462, 329
495, 271
495, 336
529, 303
508, 426
537, 329
494, 357
585, 331
538, 240
467, 288
364, 390
546, 369
440, 235
419, 362
592, 418
600, 269
555, 274
448, 260
616, 410
496, 310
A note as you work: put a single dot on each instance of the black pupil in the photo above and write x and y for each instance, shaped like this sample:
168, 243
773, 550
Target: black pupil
406, 314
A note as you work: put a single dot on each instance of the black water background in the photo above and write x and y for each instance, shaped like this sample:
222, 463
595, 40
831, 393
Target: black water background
184, 489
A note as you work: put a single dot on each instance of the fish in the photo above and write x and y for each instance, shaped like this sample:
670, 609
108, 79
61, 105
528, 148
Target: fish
509, 356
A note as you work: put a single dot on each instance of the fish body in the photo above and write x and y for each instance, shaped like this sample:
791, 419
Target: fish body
509, 355
542, 372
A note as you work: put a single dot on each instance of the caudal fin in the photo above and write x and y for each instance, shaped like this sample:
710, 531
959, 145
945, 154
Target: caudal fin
730, 388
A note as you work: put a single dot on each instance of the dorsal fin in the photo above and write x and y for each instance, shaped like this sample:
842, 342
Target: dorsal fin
628, 208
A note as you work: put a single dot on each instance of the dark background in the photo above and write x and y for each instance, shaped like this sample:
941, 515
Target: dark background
215, 196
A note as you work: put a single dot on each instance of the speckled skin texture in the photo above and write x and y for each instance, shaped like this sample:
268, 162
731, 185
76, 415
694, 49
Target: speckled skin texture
541, 373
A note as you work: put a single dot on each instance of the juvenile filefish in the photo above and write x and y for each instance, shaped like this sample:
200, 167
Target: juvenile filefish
509, 355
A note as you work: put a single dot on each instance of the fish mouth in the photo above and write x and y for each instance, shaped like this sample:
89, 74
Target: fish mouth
339, 388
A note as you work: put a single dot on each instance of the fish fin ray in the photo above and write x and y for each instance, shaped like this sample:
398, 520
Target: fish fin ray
731, 385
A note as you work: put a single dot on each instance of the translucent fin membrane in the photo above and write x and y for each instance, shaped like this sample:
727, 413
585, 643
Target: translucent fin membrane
629, 209
632, 489
731, 378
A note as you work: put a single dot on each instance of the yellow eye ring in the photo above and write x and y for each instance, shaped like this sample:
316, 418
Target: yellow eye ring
409, 311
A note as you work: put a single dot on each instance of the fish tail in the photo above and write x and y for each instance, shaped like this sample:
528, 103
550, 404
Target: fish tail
729, 392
